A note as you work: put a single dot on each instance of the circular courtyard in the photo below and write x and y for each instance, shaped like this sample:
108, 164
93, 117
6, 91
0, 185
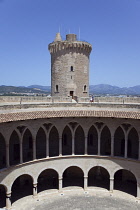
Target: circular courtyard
77, 199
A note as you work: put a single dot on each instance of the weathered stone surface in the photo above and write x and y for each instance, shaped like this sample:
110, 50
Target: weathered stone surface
70, 67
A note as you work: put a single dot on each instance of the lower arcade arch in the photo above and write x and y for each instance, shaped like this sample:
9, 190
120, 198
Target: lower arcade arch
73, 176
125, 181
22, 186
99, 177
48, 179
2, 196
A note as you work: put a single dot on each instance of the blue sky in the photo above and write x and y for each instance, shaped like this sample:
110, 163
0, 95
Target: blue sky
111, 26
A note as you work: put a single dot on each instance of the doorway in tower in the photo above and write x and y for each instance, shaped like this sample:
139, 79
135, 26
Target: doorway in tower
72, 94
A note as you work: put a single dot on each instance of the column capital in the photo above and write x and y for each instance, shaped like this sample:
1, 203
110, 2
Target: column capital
34, 185
60, 178
8, 194
8, 200
112, 178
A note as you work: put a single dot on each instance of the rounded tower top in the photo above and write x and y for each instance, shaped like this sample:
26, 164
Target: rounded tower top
71, 43
71, 37
58, 38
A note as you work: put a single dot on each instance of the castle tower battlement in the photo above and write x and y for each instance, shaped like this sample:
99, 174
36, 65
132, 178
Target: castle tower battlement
69, 66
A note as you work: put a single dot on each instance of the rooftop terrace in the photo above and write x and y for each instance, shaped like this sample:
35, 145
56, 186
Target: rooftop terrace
24, 108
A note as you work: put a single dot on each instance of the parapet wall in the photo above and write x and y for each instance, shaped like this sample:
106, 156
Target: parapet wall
23, 99
117, 99
120, 100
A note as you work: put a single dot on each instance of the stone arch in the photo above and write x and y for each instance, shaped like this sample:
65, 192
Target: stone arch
133, 144
79, 141
27, 145
119, 142
99, 177
49, 128
73, 176
41, 144
66, 141
105, 141
2, 196
26, 127
21, 187
125, 180
92, 143
2, 152
48, 179
14, 148
53, 142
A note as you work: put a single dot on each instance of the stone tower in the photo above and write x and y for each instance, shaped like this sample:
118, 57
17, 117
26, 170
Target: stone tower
69, 66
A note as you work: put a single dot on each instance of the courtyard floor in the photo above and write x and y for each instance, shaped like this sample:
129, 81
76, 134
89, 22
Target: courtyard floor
74, 198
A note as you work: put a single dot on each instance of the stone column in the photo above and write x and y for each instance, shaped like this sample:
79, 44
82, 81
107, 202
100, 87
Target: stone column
73, 152
112, 145
99, 143
34, 149
111, 184
60, 184
35, 189
125, 153
7, 155
60, 146
86, 138
85, 182
47, 147
138, 190
21, 152
139, 151
8, 200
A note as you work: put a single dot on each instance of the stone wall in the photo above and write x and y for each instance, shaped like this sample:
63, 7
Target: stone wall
29, 99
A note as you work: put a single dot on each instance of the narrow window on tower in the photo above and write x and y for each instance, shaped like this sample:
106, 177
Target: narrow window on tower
56, 88
85, 88
71, 68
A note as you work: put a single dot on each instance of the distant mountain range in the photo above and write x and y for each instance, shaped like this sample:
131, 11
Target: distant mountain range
13, 90
101, 89
40, 87
114, 90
